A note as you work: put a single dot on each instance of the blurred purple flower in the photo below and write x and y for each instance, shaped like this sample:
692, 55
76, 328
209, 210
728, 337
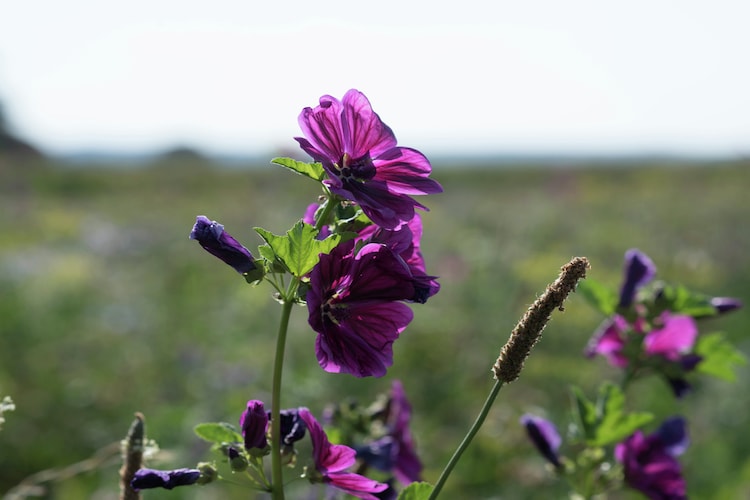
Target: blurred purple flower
332, 459
639, 270
609, 341
359, 153
354, 307
395, 451
254, 425
150, 478
544, 435
725, 304
672, 338
211, 236
650, 463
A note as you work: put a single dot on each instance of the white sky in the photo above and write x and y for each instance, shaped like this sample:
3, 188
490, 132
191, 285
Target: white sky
464, 76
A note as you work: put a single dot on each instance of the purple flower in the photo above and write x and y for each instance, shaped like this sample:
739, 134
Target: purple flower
332, 459
354, 306
650, 463
211, 236
639, 270
544, 435
609, 341
150, 478
395, 451
725, 304
359, 153
254, 425
404, 242
292, 426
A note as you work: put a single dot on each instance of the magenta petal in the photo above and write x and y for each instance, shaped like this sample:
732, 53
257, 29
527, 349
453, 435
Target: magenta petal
331, 459
609, 341
328, 457
366, 351
364, 133
405, 170
322, 127
676, 337
356, 485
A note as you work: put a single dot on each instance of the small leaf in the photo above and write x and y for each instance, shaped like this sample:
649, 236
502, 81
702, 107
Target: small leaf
298, 250
615, 425
312, 170
586, 412
719, 356
680, 300
599, 296
605, 422
416, 491
218, 432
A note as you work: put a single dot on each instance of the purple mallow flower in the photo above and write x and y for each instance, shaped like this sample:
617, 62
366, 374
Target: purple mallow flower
354, 306
211, 236
395, 451
650, 464
331, 461
545, 437
359, 153
639, 270
151, 478
254, 425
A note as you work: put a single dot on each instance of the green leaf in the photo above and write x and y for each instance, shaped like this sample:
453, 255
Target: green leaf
416, 491
312, 170
680, 300
586, 412
615, 424
604, 299
606, 422
218, 432
719, 356
298, 250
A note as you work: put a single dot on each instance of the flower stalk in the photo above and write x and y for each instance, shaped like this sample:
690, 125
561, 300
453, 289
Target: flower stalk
529, 329
277, 492
522, 339
132, 457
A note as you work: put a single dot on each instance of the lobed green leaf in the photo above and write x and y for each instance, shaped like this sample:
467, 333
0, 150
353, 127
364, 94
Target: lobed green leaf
602, 298
218, 432
416, 491
720, 357
312, 170
298, 250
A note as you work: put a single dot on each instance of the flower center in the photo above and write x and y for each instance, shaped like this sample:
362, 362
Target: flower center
356, 169
333, 310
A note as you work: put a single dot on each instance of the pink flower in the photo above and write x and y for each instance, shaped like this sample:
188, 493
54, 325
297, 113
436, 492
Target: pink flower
331, 460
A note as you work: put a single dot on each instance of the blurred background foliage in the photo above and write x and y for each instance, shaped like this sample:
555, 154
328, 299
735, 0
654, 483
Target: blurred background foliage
106, 308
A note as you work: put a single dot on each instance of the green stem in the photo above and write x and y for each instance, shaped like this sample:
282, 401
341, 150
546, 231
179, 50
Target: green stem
277, 491
327, 209
467, 440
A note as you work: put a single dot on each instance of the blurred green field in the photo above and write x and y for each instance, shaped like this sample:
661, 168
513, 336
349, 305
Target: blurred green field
106, 308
